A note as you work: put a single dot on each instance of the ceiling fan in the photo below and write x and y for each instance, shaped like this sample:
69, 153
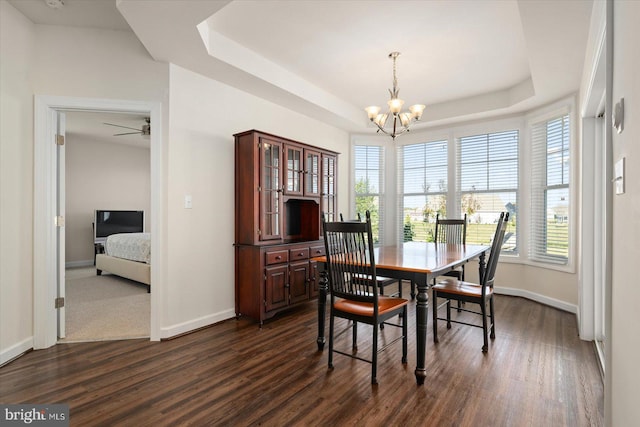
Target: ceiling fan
145, 130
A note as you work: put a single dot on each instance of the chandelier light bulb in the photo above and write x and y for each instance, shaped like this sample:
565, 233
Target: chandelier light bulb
395, 105
372, 111
417, 110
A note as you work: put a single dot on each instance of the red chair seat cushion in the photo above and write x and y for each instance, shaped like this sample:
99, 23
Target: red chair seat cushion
366, 309
452, 286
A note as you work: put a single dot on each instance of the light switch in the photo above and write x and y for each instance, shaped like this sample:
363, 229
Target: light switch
619, 176
187, 201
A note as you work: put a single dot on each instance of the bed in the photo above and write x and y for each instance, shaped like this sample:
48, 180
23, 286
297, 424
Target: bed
127, 255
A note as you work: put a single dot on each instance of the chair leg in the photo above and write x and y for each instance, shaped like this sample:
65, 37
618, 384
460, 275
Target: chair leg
354, 336
449, 314
483, 306
382, 294
434, 310
399, 291
374, 355
404, 335
461, 303
493, 319
331, 322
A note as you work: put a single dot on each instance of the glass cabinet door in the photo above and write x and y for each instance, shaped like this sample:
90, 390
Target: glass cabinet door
329, 183
293, 165
311, 173
270, 189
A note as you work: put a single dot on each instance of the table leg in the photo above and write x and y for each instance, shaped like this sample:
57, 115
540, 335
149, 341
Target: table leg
323, 287
422, 303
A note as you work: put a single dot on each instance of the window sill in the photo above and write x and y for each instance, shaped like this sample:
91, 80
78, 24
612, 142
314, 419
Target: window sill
517, 259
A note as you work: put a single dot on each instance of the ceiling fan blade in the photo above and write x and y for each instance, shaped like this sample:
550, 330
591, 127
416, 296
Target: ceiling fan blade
128, 133
120, 126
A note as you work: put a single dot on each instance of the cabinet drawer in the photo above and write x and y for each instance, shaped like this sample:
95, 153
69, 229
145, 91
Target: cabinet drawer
316, 251
276, 257
298, 254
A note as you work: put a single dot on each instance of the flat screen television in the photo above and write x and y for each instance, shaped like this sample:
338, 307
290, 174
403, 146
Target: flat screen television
111, 222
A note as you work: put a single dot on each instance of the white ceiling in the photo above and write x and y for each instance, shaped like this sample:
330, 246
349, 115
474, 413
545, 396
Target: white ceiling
75, 13
91, 126
464, 59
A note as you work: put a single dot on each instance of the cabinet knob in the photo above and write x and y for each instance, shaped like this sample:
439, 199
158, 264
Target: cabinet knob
278, 258
301, 254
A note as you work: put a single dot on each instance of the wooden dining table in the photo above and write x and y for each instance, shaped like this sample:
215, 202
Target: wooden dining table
418, 262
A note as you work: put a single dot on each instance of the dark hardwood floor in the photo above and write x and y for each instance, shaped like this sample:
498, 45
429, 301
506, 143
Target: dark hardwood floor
537, 373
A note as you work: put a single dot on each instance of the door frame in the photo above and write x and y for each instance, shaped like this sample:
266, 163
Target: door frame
61, 211
596, 205
45, 252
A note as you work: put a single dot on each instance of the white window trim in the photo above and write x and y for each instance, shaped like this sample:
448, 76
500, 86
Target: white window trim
555, 110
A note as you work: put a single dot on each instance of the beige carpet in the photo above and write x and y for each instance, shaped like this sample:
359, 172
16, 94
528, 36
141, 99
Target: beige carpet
104, 307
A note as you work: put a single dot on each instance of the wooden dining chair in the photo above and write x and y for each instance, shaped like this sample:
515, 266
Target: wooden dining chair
380, 281
482, 293
451, 230
350, 257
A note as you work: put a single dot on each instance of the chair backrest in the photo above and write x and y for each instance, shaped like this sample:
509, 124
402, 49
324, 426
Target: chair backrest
350, 260
451, 230
496, 247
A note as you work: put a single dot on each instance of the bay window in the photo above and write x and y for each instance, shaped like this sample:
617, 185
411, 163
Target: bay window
368, 173
423, 172
550, 143
487, 176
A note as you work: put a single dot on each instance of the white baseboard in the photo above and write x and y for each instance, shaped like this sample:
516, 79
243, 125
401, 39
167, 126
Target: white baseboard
191, 325
552, 302
75, 264
15, 350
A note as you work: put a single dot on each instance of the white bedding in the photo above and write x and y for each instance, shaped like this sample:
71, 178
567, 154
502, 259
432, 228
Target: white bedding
131, 246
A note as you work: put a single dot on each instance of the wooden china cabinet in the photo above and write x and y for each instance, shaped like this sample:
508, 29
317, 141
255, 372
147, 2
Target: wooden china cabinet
281, 189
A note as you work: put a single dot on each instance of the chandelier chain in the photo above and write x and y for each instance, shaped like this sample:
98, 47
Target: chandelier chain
395, 79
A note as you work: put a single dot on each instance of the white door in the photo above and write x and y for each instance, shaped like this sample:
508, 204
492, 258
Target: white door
60, 213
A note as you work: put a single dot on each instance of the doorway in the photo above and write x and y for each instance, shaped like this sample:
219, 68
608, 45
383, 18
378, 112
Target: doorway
106, 168
47, 253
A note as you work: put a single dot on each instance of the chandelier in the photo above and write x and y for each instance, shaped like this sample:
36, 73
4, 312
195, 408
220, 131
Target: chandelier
401, 120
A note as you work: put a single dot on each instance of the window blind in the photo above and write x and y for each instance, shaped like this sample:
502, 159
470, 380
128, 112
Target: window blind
487, 184
369, 174
550, 141
423, 186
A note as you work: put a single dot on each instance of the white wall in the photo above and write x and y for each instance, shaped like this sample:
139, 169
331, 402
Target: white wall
198, 160
204, 116
625, 338
101, 175
50, 60
17, 38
